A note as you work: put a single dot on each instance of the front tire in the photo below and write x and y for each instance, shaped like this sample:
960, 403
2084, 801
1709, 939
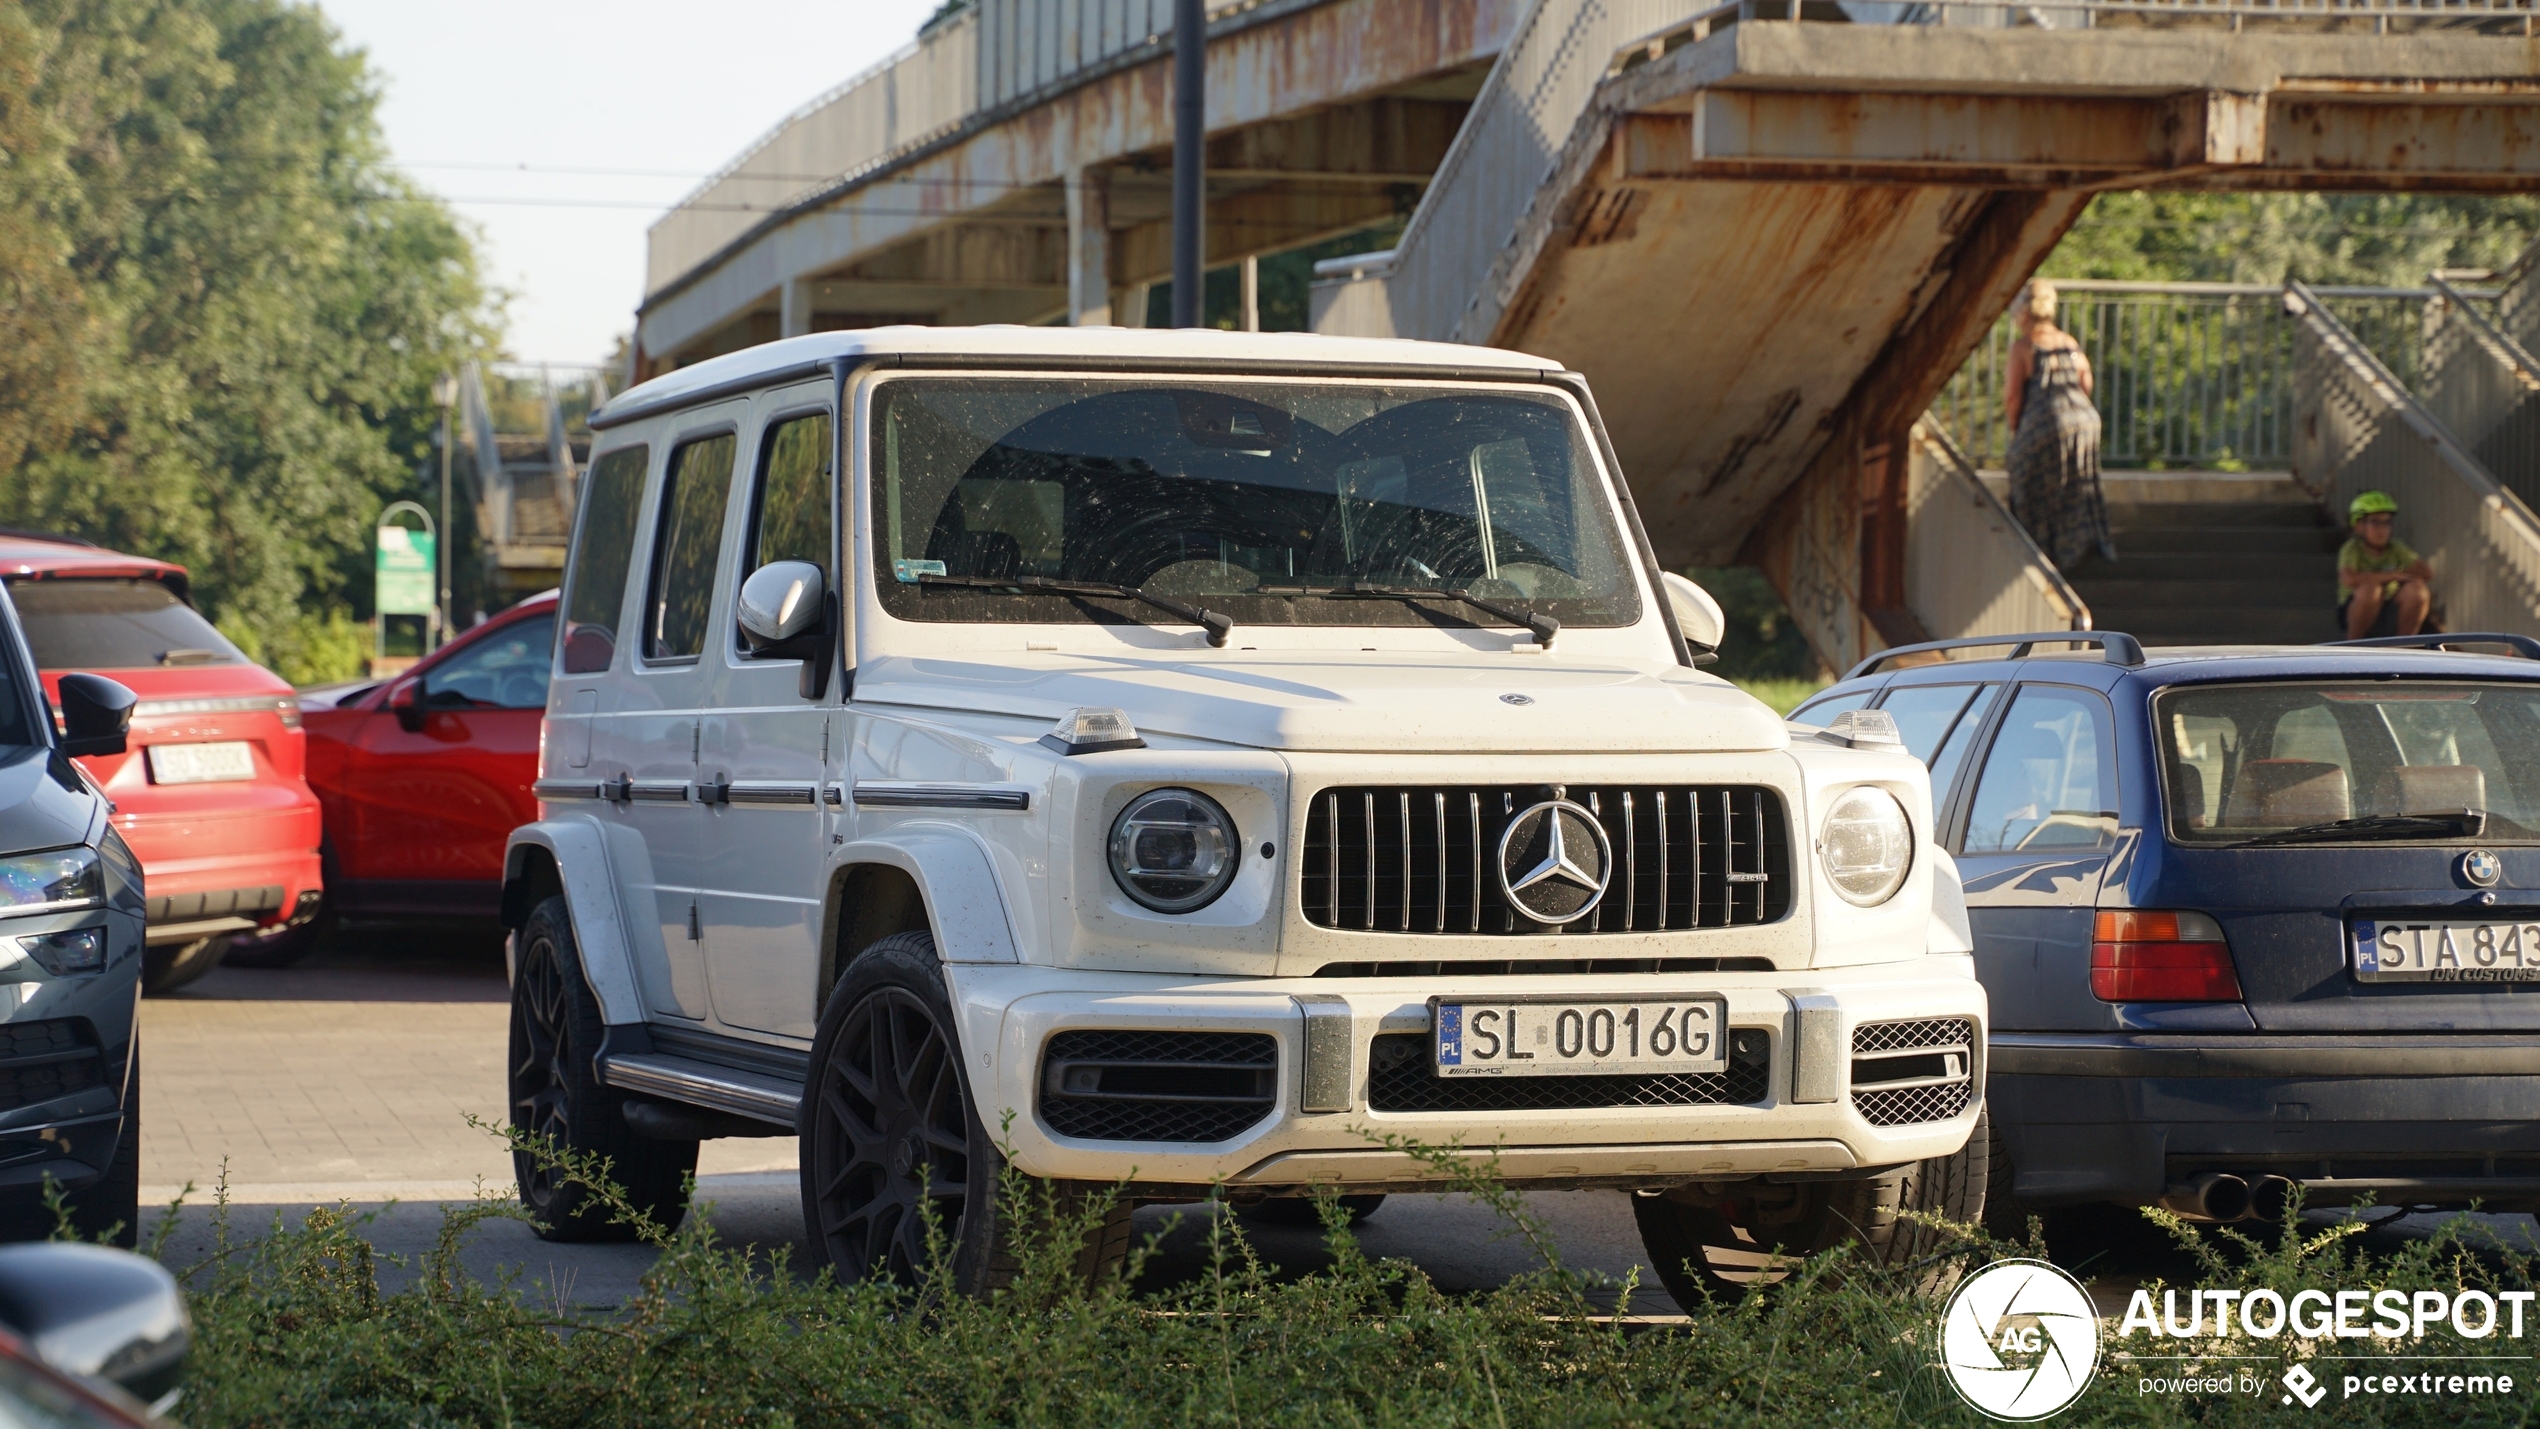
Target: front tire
170, 966
109, 1208
556, 1092
1722, 1250
891, 1137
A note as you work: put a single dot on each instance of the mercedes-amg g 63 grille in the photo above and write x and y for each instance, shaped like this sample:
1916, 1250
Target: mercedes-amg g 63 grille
1427, 859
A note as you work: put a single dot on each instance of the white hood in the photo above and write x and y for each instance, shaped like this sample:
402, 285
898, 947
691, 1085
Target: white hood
1439, 704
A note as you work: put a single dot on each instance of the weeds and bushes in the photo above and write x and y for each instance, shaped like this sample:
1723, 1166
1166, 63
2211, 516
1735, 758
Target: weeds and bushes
293, 1330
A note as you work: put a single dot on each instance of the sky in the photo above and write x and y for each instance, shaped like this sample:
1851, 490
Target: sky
561, 129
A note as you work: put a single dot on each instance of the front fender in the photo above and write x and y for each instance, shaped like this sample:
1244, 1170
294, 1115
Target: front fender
590, 896
1950, 932
955, 875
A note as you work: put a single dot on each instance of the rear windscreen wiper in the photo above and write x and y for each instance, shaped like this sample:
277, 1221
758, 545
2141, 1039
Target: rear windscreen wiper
1543, 626
2467, 824
1217, 626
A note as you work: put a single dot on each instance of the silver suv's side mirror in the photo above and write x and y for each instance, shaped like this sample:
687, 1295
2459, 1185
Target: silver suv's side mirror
784, 615
1697, 614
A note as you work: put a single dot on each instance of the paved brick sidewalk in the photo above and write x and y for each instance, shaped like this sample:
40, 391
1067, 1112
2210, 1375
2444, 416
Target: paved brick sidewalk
350, 1075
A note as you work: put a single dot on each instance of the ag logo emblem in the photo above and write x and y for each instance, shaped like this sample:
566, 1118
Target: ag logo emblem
1555, 861
2020, 1340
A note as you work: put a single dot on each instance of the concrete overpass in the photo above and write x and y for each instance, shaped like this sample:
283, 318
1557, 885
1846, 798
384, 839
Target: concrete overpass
1768, 239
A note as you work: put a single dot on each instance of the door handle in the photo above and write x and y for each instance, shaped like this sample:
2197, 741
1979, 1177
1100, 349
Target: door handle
619, 790
718, 791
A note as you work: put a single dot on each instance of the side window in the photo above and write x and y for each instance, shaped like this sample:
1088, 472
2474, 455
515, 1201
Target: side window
2049, 781
686, 542
1822, 711
1925, 713
1953, 750
611, 498
503, 671
791, 520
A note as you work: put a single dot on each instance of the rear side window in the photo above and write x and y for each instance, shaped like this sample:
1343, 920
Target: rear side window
612, 499
685, 545
2049, 782
115, 625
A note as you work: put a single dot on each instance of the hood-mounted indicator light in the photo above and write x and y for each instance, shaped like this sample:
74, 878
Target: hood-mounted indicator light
1093, 730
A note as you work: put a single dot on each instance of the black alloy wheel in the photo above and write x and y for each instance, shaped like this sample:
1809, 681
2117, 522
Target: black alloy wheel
170, 966
891, 1140
555, 1093
894, 1138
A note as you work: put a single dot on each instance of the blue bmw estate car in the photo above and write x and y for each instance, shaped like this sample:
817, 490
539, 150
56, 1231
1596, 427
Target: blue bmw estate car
2250, 918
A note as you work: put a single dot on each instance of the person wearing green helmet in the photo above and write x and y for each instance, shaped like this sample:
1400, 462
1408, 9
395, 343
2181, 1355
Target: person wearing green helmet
2375, 569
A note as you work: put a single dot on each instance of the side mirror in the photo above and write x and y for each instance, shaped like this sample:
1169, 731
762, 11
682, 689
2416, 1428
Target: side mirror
1697, 614
406, 703
96, 714
103, 1314
784, 615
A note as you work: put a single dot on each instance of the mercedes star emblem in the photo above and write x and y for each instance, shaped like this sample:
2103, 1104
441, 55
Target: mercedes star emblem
1554, 862
2481, 868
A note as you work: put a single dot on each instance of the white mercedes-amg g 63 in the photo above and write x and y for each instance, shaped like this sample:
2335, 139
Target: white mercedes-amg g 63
1178, 760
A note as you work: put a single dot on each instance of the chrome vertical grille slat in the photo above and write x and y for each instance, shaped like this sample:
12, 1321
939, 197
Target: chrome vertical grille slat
1703, 845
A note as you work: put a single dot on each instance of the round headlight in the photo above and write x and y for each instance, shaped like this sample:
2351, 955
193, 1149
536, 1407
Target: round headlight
1173, 850
1868, 845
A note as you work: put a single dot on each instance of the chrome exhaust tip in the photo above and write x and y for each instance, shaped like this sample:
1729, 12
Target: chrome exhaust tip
2269, 1197
2212, 1196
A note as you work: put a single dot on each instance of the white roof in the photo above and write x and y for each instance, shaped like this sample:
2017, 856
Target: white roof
1103, 345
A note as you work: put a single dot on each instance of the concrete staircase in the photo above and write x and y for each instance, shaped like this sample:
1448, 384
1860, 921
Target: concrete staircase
2206, 558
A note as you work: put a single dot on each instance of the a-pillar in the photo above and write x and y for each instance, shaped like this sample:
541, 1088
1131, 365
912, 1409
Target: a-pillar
794, 317
1088, 248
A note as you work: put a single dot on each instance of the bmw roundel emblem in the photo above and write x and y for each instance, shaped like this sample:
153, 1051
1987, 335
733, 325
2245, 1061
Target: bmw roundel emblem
2481, 868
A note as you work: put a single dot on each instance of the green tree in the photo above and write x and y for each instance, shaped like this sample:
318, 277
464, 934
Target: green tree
2388, 239
227, 308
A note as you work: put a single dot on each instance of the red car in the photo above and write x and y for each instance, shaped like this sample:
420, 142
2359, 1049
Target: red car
425, 775
209, 791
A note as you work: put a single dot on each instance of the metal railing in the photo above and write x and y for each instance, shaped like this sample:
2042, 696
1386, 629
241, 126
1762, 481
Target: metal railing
2485, 387
2188, 374
2380, 17
1970, 569
1454, 265
2358, 429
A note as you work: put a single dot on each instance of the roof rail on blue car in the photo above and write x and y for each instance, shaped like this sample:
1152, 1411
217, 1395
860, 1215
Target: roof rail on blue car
2522, 645
2119, 647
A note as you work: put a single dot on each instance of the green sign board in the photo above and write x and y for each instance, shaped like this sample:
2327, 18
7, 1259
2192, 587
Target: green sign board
404, 575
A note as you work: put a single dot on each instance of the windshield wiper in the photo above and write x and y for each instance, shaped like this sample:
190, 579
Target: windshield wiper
1217, 626
2468, 824
1544, 627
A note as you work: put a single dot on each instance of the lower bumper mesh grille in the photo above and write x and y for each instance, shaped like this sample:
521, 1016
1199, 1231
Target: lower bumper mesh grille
1401, 1077
1904, 1073
1158, 1086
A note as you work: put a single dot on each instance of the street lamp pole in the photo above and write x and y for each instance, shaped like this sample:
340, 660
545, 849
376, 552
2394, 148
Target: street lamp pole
445, 395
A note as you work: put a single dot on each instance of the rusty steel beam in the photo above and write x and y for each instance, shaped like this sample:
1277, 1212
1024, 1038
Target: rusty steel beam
1382, 140
1265, 220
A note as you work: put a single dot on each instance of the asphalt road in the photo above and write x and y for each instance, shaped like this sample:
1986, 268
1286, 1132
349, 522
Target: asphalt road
349, 1081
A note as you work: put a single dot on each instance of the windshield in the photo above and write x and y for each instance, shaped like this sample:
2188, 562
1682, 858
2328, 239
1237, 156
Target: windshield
1263, 501
90, 624
2248, 761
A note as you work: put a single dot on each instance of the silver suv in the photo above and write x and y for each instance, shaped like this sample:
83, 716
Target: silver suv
1179, 759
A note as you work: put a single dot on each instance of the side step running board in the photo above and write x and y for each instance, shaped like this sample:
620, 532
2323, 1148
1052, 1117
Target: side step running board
684, 1079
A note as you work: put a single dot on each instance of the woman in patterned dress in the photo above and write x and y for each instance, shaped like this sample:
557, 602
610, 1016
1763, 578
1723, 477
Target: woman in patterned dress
2054, 436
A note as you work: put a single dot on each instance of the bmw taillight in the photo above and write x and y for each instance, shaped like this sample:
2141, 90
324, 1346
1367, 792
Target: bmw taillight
2140, 956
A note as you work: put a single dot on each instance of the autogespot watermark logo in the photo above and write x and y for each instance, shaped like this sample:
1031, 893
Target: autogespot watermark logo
2020, 1340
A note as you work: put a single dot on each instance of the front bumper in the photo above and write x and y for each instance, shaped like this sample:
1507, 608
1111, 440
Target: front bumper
1010, 1013
2119, 1117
